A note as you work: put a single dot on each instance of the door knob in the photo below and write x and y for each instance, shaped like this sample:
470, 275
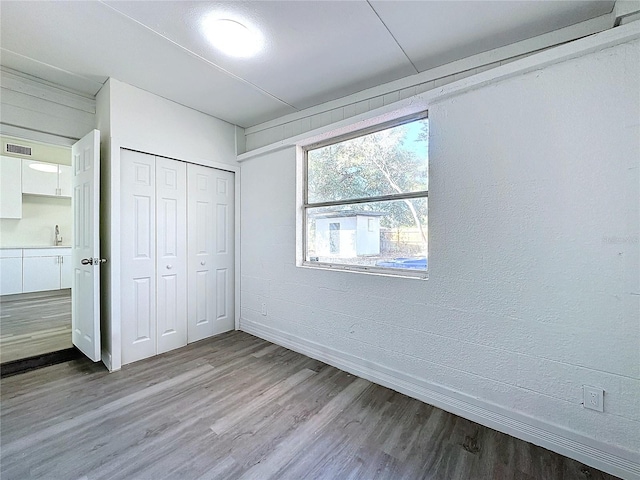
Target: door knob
93, 261
169, 267
202, 263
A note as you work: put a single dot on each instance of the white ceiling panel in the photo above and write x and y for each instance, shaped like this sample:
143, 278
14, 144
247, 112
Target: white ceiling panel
92, 40
315, 51
434, 33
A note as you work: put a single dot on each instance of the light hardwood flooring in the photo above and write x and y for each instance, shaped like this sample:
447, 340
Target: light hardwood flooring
238, 407
34, 323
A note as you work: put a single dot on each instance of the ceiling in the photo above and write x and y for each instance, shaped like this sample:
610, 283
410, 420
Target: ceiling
315, 51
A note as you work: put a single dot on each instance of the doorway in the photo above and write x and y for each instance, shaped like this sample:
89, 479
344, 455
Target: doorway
36, 220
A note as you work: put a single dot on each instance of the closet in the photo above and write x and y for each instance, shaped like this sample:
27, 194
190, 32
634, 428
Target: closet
177, 253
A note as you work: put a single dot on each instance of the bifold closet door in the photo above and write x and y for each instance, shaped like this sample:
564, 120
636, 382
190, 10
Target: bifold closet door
138, 255
171, 224
154, 255
211, 252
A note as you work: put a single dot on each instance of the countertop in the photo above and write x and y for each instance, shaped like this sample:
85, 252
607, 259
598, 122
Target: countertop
35, 246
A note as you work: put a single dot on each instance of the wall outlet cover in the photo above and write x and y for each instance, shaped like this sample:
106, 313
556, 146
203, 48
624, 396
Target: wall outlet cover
593, 398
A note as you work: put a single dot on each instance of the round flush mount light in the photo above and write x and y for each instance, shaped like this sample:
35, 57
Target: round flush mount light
44, 167
232, 37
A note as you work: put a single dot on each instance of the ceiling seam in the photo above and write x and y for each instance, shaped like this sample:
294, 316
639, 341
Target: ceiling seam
200, 57
393, 36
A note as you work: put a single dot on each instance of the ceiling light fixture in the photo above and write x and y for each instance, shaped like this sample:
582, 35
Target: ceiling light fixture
232, 37
44, 167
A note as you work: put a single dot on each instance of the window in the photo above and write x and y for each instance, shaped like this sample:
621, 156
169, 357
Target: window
365, 200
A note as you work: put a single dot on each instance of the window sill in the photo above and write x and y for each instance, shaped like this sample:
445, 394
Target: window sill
380, 272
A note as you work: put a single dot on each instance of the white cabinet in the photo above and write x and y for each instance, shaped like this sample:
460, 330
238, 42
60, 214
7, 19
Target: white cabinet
42, 178
66, 271
40, 274
10, 190
42, 269
64, 180
10, 271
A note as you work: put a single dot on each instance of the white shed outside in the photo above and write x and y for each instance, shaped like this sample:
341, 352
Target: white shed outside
348, 234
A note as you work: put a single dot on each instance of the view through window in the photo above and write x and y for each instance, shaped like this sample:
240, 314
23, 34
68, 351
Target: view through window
365, 204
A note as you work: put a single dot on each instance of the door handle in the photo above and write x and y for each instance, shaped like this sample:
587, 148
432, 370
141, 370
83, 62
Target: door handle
93, 261
169, 267
202, 263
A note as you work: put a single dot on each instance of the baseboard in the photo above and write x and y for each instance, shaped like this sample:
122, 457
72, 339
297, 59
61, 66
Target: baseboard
565, 442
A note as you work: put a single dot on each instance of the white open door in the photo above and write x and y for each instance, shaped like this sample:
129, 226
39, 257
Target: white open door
85, 291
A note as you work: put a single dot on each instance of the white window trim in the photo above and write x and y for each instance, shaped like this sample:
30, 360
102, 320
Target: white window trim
302, 205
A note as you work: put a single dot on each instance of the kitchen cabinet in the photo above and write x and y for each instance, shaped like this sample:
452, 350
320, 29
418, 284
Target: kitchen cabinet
66, 271
11, 268
44, 269
64, 180
10, 187
43, 178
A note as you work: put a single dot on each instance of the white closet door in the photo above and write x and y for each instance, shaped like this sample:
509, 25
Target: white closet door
171, 206
138, 253
211, 245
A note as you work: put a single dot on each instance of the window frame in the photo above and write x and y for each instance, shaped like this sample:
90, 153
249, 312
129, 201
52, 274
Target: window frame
305, 205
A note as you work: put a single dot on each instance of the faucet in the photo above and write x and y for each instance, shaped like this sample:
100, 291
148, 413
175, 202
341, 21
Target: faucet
58, 237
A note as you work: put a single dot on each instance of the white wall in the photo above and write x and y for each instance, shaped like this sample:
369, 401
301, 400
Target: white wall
136, 119
368, 239
142, 120
40, 215
534, 274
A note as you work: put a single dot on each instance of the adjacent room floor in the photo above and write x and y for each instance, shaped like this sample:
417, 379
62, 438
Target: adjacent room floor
34, 323
238, 407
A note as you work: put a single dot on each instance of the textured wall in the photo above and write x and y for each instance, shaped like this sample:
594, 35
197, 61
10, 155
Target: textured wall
534, 281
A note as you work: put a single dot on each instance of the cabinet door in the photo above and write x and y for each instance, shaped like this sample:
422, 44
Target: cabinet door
138, 255
211, 258
39, 178
66, 272
40, 274
11, 277
171, 273
64, 181
10, 187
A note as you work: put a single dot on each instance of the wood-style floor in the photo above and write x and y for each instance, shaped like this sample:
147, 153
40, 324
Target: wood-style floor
237, 407
34, 323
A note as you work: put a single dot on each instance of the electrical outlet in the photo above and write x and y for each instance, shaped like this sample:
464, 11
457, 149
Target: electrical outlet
593, 398
264, 308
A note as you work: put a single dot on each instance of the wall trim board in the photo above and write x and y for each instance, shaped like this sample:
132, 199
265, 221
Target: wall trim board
524, 47
587, 450
420, 102
16, 81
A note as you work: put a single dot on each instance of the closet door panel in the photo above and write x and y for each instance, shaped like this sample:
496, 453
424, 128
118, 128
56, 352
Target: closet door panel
201, 225
224, 256
210, 281
138, 247
171, 206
